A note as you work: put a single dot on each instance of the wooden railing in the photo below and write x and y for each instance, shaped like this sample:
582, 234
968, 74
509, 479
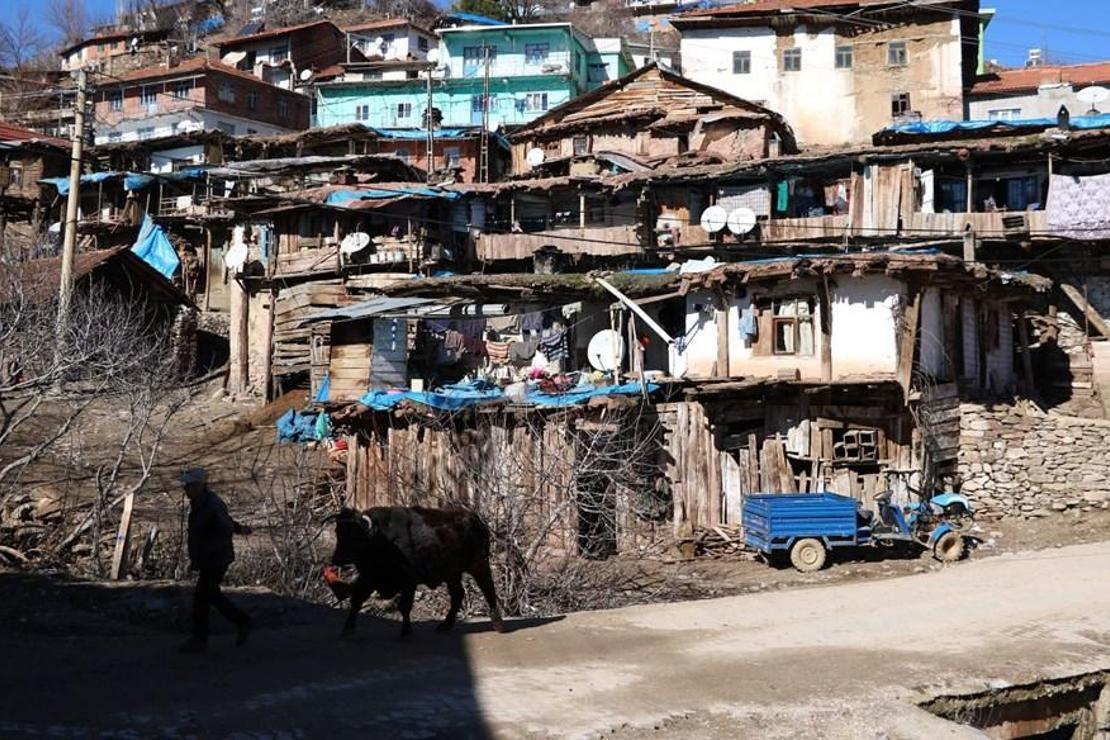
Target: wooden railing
599, 240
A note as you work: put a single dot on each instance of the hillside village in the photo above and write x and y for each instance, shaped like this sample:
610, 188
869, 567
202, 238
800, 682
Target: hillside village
606, 275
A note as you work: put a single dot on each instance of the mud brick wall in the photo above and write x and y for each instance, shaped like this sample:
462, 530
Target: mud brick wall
1017, 464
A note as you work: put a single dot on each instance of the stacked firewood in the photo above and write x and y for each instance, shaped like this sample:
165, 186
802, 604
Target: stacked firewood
720, 543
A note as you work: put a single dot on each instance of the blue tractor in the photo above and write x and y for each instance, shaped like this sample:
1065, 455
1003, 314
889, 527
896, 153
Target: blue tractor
809, 526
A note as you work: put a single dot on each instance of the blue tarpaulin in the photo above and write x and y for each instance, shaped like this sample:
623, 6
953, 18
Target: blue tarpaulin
475, 19
945, 127
154, 247
293, 426
346, 196
479, 392
582, 394
448, 133
62, 183
324, 391
135, 181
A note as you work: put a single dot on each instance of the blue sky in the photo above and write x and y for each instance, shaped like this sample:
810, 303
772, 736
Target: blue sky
1082, 34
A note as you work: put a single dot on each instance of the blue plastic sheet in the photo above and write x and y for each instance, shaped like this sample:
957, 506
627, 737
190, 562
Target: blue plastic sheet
294, 426
582, 394
324, 391
944, 127
62, 183
135, 181
154, 248
475, 19
346, 196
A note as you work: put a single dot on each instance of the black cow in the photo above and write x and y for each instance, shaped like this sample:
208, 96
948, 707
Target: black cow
397, 548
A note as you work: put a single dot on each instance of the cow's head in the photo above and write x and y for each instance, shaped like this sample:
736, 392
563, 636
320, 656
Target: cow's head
353, 530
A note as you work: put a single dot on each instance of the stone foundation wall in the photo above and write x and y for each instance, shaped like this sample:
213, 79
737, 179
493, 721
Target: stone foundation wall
1017, 464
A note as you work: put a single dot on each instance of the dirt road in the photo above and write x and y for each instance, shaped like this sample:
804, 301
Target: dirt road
848, 660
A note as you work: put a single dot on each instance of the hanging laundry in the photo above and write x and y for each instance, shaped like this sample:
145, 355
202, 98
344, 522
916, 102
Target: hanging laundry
531, 321
554, 345
498, 352
749, 324
782, 196
521, 353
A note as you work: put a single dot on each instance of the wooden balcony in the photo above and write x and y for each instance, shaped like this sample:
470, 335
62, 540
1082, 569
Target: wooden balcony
596, 240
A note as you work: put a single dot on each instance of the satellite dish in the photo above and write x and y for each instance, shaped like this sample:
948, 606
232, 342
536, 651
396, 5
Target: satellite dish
1093, 95
306, 75
535, 157
379, 43
713, 219
55, 228
354, 242
236, 257
741, 220
606, 350
433, 55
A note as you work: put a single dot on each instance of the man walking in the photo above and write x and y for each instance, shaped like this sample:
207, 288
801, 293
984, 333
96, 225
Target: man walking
210, 554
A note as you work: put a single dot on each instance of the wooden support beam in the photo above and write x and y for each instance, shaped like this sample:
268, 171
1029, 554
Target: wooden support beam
238, 336
1075, 295
1026, 358
908, 340
119, 555
720, 317
824, 316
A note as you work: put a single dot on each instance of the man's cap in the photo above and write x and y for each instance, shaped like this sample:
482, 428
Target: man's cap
193, 475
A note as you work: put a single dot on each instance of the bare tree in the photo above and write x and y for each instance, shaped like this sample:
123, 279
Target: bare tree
21, 42
114, 358
70, 19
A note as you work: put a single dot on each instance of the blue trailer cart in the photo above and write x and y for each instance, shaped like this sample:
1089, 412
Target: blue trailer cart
809, 526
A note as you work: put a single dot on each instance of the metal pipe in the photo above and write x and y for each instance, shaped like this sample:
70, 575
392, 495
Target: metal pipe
636, 309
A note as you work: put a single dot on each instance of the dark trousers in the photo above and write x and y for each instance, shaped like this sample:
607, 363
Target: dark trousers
207, 594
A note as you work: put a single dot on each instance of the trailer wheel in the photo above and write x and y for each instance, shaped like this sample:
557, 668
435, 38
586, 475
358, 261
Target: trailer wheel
950, 547
808, 555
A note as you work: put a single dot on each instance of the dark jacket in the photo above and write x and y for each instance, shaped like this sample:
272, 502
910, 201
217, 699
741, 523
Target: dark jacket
210, 530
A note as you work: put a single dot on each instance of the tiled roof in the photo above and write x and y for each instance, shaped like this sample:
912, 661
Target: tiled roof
758, 7
15, 134
1014, 80
196, 65
261, 36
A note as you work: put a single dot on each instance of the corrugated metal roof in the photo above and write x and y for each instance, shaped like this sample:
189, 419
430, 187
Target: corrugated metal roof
368, 309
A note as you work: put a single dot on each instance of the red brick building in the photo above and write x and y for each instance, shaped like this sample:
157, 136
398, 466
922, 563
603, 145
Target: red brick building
283, 56
197, 95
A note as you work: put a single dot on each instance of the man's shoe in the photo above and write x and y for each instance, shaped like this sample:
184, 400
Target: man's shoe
243, 632
193, 646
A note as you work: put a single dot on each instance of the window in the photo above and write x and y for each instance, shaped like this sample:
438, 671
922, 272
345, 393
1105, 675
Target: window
535, 101
741, 62
791, 323
536, 53
15, 176
227, 128
597, 72
283, 109
252, 100
403, 154
896, 54
477, 104
279, 54
1004, 114
473, 58
146, 132
226, 92
251, 131
899, 104
422, 43
792, 60
404, 110
575, 61
115, 100
581, 145
181, 89
452, 156
362, 112
114, 137
149, 97
844, 57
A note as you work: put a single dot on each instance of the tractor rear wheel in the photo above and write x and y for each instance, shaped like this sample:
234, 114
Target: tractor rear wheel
950, 547
808, 555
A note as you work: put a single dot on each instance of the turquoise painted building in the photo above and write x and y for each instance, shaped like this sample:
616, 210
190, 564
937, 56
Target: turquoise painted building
532, 68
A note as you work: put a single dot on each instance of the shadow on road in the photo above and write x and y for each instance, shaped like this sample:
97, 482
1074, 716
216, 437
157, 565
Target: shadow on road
91, 659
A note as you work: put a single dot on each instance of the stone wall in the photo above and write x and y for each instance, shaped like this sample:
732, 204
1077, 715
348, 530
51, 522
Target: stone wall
1021, 464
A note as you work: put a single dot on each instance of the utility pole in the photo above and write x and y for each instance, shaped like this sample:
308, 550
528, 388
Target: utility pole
483, 157
69, 242
429, 121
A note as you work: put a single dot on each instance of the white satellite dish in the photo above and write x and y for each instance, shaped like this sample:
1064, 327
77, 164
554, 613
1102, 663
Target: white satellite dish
306, 75
606, 350
713, 219
433, 55
354, 242
741, 220
1093, 95
535, 157
379, 43
236, 257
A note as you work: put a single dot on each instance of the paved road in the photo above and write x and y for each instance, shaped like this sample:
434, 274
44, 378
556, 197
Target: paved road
846, 661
